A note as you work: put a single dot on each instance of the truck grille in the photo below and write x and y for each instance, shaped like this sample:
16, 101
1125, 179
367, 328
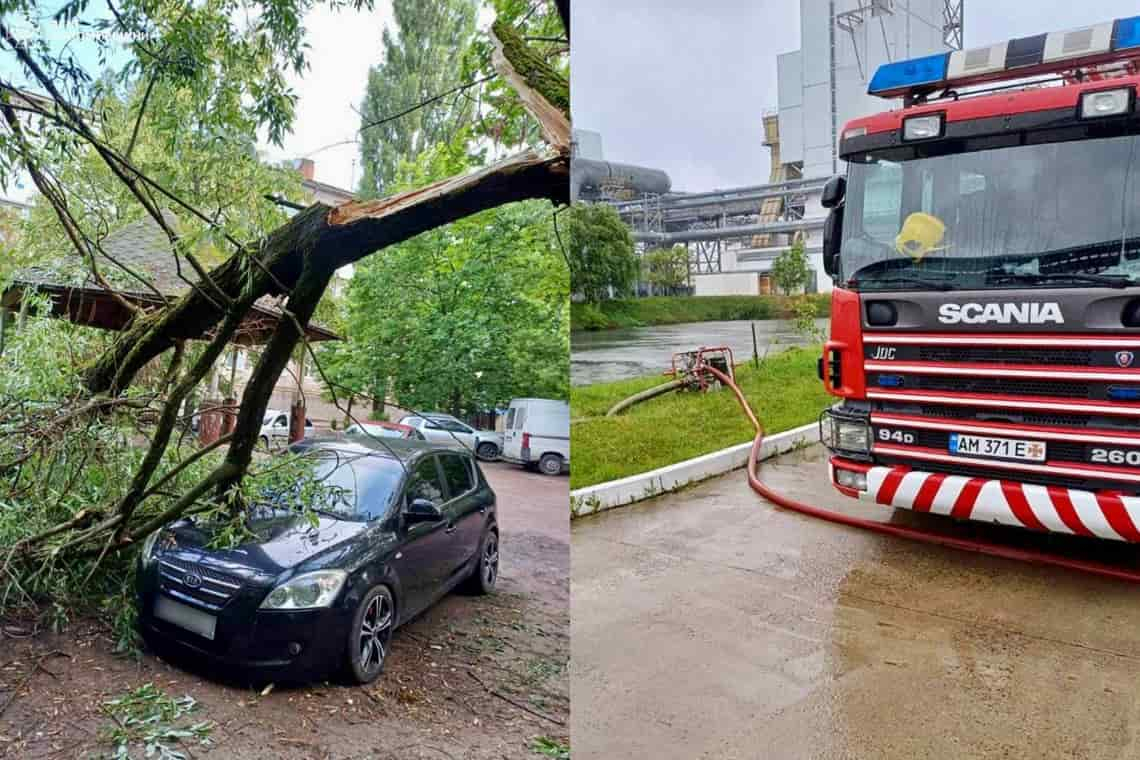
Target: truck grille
213, 589
1072, 357
922, 387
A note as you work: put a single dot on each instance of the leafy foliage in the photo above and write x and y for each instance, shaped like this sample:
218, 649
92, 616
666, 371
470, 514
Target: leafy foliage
791, 270
462, 318
148, 717
667, 269
417, 64
599, 248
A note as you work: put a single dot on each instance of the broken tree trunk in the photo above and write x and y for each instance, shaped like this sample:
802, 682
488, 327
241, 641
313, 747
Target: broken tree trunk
334, 237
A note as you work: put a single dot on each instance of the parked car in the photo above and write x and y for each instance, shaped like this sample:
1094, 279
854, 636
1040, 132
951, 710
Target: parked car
400, 525
537, 434
445, 429
383, 430
275, 429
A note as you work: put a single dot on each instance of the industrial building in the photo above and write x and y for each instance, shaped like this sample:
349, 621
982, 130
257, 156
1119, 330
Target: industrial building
733, 236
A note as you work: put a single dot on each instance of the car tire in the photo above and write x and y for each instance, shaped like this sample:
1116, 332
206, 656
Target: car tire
486, 571
487, 451
550, 464
370, 635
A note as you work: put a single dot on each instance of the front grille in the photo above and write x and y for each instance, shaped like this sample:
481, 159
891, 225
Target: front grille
1007, 390
1004, 386
1046, 419
214, 589
1071, 357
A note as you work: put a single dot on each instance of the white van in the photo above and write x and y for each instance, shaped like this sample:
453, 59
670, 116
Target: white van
537, 432
275, 429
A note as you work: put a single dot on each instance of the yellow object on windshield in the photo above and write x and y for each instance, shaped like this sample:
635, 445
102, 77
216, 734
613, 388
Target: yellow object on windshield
920, 234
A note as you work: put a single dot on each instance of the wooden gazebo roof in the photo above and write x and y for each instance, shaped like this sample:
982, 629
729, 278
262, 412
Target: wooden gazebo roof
143, 247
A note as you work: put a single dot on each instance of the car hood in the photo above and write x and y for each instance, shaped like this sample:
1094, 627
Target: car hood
284, 540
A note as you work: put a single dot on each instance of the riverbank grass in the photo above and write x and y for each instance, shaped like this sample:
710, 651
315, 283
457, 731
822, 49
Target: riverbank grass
671, 310
784, 391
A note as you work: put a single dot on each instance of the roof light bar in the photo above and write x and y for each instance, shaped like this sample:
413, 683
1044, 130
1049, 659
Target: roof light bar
1025, 56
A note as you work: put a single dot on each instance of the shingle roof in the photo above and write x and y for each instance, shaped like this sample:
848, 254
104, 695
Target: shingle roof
144, 248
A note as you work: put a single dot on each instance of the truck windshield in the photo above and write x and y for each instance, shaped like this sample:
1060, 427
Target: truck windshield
1048, 215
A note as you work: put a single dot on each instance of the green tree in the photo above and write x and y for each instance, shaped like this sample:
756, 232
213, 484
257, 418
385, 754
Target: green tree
99, 462
791, 270
667, 269
599, 250
417, 63
465, 317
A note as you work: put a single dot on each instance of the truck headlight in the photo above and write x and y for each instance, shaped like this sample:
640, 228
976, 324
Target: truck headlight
844, 434
307, 591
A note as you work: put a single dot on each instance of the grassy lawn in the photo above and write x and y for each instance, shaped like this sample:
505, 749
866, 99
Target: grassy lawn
668, 310
785, 393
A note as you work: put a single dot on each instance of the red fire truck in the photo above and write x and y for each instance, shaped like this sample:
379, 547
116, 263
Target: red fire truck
985, 247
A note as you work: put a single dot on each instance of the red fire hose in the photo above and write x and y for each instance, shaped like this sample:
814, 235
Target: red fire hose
970, 545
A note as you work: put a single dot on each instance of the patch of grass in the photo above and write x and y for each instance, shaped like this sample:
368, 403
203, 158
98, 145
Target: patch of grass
148, 723
784, 391
547, 747
669, 310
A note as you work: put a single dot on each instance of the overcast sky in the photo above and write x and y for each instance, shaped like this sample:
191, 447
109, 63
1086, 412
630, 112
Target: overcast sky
342, 46
682, 86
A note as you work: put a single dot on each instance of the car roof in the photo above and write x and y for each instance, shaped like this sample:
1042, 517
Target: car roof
403, 449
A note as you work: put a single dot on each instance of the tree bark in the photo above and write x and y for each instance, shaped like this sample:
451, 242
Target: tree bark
335, 237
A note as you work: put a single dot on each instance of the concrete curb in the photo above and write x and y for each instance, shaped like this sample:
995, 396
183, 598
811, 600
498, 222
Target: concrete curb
646, 485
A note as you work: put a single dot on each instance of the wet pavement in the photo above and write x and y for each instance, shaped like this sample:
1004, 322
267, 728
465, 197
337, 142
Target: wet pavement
606, 355
710, 624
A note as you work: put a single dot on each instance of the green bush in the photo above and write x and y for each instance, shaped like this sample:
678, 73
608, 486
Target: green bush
671, 310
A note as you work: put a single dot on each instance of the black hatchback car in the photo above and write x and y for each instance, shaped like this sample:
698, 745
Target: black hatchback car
410, 521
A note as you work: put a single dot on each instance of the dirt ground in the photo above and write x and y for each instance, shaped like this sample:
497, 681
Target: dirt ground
474, 678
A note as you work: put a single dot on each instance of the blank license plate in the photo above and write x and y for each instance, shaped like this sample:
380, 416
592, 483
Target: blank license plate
184, 616
998, 448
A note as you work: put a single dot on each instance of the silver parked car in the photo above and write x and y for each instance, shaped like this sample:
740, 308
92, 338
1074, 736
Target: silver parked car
445, 429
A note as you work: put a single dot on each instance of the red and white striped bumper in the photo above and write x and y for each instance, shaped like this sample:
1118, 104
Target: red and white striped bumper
1102, 514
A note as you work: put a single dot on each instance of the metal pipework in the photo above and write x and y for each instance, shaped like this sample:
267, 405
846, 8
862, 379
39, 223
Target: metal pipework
586, 172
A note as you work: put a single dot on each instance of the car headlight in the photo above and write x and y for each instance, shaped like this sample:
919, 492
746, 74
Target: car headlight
146, 555
306, 591
846, 435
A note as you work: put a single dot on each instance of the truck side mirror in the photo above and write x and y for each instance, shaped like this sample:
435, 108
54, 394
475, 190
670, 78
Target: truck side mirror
832, 235
833, 192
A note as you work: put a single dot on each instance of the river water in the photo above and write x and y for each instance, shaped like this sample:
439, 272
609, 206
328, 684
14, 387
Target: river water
605, 355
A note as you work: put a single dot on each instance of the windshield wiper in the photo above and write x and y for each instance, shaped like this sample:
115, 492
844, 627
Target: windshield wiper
1112, 280
902, 279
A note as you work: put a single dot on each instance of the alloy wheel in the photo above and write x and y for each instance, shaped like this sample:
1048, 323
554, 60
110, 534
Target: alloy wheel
491, 560
375, 631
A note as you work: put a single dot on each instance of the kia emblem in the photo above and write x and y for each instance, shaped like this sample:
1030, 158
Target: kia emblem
192, 580
1124, 358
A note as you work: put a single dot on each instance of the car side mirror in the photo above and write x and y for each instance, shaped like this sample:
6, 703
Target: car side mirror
833, 192
423, 510
832, 235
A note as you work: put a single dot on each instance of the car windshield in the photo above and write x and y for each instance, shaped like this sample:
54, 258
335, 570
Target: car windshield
1056, 214
348, 485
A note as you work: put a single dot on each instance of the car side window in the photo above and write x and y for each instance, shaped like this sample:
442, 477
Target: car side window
423, 482
457, 470
280, 421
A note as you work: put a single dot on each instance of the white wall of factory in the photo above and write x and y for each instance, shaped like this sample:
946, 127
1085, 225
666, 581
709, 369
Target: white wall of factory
881, 31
